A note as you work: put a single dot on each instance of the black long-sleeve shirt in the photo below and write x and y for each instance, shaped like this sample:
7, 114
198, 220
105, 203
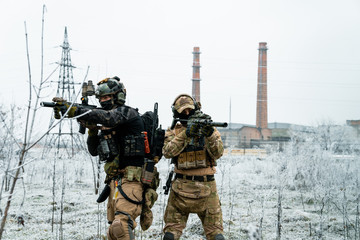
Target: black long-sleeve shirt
124, 120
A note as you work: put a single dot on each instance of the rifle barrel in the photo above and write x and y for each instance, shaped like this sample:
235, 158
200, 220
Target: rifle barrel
219, 124
48, 104
54, 104
204, 122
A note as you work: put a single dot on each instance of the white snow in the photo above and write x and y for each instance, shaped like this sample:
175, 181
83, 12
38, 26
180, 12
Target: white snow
318, 189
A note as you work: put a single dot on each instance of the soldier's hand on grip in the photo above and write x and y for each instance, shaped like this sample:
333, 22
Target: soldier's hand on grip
93, 128
207, 130
88, 125
57, 113
62, 107
192, 129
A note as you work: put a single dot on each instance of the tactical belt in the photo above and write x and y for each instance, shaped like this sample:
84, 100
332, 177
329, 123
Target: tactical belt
206, 178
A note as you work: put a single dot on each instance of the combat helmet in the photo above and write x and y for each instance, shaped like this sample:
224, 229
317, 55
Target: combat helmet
112, 86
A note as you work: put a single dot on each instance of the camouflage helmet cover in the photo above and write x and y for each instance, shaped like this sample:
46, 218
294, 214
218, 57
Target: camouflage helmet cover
182, 102
111, 86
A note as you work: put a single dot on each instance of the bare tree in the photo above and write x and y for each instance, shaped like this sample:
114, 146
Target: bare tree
279, 214
23, 149
62, 204
25, 146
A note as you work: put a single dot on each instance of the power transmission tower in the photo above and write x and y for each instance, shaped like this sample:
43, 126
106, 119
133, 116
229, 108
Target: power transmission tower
63, 136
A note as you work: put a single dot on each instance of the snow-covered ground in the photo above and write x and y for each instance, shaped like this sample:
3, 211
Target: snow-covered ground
307, 195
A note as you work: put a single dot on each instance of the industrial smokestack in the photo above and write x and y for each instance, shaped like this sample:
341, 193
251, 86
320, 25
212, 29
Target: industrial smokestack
196, 74
261, 104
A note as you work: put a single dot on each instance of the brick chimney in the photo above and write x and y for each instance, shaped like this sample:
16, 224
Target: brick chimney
261, 103
196, 74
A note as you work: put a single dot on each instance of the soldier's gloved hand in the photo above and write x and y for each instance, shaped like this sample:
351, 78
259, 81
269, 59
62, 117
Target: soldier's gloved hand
93, 128
112, 169
93, 132
62, 108
57, 112
192, 129
207, 131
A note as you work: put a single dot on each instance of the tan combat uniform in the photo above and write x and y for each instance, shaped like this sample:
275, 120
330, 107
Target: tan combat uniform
194, 189
120, 211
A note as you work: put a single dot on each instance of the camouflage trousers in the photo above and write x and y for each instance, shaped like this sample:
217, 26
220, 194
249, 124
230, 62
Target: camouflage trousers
188, 196
121, 212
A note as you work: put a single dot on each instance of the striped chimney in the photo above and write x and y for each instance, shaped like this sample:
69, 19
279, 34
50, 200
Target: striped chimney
196, 74
261, 103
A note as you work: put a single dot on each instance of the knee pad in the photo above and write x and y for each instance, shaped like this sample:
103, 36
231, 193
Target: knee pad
168, 236
116, 230
219, 237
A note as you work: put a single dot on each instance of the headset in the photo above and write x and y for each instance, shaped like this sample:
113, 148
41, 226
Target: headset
197, 105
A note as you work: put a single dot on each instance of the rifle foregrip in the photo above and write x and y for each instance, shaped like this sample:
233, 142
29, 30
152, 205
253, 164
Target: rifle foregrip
82, 129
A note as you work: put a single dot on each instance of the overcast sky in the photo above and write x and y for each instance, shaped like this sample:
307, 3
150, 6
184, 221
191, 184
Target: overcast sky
313, 56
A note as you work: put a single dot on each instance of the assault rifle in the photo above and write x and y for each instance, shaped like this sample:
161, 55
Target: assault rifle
157, 136
60, 102
87, 90
201, 119
168, 182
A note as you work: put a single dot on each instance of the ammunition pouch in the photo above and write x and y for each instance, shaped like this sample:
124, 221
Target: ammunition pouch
108, 148
146, 217
133, 173
192, 159
191, 190
150, 179
134, 146
150, 175
103, 155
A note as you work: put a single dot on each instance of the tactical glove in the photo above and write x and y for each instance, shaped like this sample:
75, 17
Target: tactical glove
207, 131
112, 169
192, 129
62, 108
92, 132
146, 217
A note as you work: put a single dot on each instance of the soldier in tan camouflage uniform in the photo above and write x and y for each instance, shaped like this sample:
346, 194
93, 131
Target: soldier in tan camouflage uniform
194, 188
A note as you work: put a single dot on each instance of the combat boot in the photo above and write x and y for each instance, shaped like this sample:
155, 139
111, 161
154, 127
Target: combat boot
219, 237
168, 236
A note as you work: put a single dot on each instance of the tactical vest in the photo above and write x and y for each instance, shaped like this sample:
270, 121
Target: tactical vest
193, 156
131, 143
126, 141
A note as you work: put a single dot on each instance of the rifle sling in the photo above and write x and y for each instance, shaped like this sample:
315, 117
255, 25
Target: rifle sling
127, 198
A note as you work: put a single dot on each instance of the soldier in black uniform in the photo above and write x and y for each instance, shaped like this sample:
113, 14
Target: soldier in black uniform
120, 144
